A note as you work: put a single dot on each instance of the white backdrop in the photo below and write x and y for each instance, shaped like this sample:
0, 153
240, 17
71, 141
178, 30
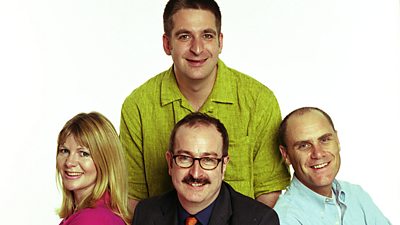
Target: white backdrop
59, 58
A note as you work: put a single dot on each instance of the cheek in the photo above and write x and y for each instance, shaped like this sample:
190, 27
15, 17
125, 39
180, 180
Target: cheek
177, 49
215, 175
60, 162
298, 160
177, 174
89, 167
214, 47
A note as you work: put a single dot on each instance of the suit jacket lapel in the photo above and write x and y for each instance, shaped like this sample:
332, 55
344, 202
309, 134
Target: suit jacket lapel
222, 211
168, 211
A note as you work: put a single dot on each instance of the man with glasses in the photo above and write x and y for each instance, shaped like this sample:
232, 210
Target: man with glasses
197, 158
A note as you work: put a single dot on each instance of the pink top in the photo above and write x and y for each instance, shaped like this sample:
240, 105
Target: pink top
99, 215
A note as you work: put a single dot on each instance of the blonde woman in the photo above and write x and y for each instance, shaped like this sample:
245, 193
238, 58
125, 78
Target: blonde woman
91, 172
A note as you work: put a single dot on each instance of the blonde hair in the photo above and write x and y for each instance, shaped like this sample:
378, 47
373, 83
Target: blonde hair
95, 132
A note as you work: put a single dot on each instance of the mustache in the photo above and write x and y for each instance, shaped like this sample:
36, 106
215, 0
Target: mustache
190, 179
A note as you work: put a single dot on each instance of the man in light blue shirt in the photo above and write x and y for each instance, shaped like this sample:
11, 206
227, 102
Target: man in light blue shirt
309, 142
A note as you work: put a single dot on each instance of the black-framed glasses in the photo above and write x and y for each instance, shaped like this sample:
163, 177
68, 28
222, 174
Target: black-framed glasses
207, 163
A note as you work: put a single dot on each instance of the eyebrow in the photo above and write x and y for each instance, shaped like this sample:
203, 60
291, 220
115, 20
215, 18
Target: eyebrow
181, 31
297, 143
325, 136
185, 31
79, 148
206, 154
209, 30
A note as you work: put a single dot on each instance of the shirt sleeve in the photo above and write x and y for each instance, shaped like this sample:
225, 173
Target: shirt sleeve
270, 172
372, 213
131, 139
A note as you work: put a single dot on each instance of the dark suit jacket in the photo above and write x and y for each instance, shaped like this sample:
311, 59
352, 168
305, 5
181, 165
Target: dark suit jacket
231, 208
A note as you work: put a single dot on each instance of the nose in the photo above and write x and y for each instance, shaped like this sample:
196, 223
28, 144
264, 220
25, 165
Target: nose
71, 161
197, 46
317, 152
196, 170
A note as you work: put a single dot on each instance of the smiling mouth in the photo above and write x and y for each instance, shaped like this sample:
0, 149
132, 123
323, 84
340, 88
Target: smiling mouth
320, 166
73, 174
196, 184
193, 182
194, 61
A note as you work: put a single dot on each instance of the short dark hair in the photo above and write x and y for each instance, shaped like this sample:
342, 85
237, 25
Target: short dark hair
198, 118
174, 6
299, 111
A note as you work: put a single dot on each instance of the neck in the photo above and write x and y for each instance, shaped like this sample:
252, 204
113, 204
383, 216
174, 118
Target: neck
80, 195
196, 91
324, 190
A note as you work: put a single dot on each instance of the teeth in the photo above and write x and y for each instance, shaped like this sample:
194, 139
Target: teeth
320, 166
73, 173
196, 184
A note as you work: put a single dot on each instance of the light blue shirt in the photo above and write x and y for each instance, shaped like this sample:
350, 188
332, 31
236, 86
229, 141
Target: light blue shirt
349, 205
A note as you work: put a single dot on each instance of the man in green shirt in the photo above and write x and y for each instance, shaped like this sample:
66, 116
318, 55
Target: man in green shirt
199, 81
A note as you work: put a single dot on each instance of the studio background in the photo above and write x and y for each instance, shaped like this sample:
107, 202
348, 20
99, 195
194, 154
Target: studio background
59, 58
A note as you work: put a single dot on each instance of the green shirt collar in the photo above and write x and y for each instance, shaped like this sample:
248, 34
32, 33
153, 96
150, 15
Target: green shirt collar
222, 92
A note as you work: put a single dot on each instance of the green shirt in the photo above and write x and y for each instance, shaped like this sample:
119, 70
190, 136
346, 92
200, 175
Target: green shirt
247, 108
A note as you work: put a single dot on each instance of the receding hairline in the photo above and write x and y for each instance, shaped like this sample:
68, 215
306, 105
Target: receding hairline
198, 124
297, 113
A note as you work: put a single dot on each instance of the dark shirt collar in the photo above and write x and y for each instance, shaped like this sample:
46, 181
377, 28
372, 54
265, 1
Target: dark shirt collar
203, 216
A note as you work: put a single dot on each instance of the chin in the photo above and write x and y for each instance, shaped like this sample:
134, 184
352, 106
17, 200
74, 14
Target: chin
193, 198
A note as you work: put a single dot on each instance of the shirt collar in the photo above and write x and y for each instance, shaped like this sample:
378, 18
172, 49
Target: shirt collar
222, 92
303, 190
169, 88
339, 192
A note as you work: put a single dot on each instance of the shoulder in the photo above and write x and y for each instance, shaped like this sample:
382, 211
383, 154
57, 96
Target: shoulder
152, 204
149, 87
93, 216
289, 213
249, 91
353, 192
351, 189
249, 209
243, 80
287, 210
291, 204
156, 209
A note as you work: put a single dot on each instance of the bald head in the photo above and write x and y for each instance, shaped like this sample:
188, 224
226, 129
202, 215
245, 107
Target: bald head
299, 112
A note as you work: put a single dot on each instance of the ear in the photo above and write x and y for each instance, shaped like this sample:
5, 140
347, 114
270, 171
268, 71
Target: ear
337, 139
168, 157
225, 163
221, 42
166, 44
284, 154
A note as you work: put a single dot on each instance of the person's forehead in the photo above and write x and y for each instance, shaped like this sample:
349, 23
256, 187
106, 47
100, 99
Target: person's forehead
190, 11
308, 123
188, 15
202, 129
201, 134
307, 117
